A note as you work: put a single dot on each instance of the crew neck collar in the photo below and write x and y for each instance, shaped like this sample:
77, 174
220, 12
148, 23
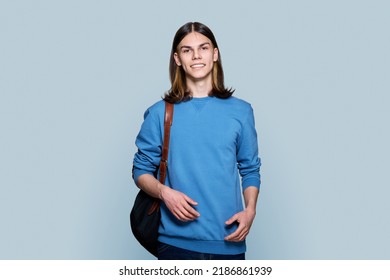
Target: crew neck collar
202, 98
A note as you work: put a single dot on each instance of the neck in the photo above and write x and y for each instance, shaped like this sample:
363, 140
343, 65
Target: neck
200, 88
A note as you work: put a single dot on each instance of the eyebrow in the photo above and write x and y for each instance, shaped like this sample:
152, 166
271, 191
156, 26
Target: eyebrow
189, 47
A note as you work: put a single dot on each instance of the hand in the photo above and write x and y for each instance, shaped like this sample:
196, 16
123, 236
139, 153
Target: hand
245, 219
180, 205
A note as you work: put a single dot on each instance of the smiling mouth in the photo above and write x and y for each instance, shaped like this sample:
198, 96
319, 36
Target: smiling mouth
198, 65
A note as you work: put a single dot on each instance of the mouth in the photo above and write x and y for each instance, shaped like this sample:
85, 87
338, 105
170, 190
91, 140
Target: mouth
198, 65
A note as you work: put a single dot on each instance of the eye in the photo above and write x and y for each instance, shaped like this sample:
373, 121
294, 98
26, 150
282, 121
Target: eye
185, 50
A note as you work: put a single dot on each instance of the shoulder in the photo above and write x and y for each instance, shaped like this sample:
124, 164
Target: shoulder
236, 104
239, 102
156, 110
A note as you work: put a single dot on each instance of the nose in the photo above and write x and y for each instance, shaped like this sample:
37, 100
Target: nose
196, 55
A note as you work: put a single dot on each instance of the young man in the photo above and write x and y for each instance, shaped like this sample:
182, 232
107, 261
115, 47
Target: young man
213, 156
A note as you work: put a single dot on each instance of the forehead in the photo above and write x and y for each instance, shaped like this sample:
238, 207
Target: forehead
194, 39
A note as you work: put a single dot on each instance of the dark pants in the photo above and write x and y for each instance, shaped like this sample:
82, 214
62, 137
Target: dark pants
168, 252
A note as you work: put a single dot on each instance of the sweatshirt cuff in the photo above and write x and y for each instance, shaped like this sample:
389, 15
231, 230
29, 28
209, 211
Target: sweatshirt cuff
138, 172
251, 182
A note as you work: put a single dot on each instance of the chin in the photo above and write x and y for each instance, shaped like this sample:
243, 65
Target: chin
200, 76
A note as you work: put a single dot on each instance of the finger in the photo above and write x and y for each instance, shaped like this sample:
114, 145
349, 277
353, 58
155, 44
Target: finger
244, 233
232, 219
190, 200
242, 236
233, 235
182, 217
187, 210
239, 234
191, 212
185, 215
238, 238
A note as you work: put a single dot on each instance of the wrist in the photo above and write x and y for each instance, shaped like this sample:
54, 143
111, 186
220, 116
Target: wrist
251, 210
162, 189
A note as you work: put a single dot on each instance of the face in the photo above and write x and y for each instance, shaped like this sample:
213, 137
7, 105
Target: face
196, 54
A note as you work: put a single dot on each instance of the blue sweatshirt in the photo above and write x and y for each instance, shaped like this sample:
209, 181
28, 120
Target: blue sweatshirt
213, 158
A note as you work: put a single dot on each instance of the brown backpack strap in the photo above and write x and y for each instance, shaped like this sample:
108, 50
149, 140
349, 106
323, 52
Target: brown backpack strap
168, 118
167, 132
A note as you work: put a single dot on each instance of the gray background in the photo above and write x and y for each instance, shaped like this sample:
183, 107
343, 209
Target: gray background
77, 76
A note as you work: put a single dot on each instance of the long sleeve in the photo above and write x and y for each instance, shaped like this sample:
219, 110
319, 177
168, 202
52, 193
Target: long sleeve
247, 153
149, 144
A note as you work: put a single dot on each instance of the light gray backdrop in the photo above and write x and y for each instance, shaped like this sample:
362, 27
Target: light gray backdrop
76, 77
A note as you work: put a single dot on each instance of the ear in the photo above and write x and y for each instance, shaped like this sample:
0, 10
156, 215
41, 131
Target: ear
215, 55
177, 59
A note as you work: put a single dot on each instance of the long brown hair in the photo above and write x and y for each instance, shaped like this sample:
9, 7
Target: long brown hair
178, 91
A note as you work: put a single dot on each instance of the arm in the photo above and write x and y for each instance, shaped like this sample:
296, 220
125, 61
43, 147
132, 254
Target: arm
249, 167
244, 218
178, 203
146, 162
